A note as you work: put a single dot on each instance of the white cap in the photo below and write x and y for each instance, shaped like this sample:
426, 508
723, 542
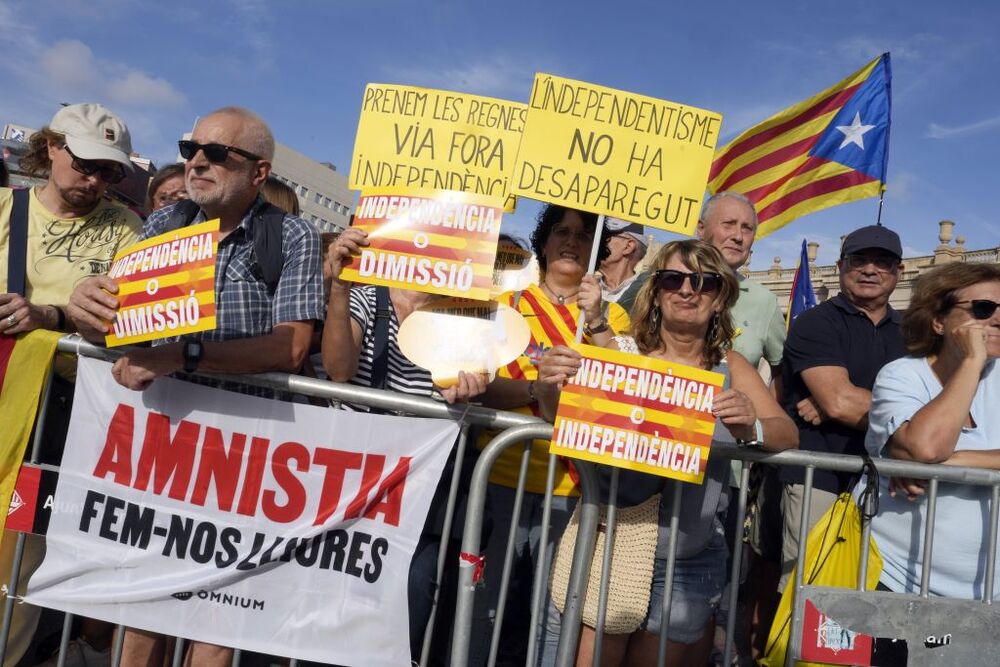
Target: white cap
93, 133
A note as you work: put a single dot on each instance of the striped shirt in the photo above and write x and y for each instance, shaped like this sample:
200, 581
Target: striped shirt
551, 324
243, 306
403, 375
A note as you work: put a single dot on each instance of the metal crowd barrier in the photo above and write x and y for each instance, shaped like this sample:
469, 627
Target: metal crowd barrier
467, 415
518, 428
810, 461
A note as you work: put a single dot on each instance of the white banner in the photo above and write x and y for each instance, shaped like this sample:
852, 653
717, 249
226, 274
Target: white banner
269, 526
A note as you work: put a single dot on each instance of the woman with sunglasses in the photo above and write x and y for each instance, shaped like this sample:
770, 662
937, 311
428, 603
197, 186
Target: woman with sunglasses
939, 405
682, 315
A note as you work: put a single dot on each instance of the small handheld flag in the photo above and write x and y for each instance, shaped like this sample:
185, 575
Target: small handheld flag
802, 297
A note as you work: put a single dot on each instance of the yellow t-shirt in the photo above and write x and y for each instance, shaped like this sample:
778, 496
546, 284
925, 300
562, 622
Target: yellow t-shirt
64, 251
550, 324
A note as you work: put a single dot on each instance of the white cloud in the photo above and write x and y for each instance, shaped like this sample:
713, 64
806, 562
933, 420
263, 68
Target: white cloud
498, 76
136, 88
936, 131
70, 66
900, 186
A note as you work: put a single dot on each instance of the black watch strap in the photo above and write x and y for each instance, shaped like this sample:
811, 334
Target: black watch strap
193, 351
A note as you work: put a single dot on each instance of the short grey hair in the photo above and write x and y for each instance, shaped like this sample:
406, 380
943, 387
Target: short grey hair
728, 194
254, 134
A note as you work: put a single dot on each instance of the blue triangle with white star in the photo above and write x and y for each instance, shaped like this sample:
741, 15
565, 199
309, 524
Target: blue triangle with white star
858, 135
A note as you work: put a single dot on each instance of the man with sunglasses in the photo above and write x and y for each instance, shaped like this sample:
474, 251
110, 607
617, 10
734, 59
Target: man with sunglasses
832, 355
228, 159
71, 230
52, 237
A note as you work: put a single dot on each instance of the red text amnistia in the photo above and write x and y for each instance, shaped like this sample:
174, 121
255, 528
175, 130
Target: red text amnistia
237, 471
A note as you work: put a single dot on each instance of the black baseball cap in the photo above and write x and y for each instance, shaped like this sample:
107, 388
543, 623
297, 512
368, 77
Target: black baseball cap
872, 237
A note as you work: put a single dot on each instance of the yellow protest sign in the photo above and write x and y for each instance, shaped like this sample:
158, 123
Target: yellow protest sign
616, 153
450, 335
166, 285
435, 139
514, 269
437, 242
639, 413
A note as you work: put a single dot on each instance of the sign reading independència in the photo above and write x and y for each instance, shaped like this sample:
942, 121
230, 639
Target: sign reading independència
442, 242
420, 138
616, 153
166, 285
275, 527
639, 413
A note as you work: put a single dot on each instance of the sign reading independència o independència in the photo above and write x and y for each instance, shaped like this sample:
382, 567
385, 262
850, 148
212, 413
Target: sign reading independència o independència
275, 527
638, 413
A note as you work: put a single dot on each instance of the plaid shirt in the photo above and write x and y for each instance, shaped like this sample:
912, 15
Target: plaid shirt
243, 306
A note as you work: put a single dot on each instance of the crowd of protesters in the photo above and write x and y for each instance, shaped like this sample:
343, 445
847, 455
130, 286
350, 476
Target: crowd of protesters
852, 376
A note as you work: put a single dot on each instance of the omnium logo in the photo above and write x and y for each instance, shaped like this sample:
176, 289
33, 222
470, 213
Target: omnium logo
222, 598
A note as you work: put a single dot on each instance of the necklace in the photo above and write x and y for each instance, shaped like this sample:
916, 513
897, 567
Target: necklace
559, 297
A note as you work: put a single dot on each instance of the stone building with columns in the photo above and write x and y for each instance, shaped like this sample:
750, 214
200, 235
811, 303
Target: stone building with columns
825, 280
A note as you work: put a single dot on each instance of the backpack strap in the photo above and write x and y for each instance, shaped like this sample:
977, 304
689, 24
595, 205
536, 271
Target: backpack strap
269, 258
380, 351
17, 247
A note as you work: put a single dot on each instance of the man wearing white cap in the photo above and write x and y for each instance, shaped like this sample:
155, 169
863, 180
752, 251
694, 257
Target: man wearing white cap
51, 238
70, 231
625, 247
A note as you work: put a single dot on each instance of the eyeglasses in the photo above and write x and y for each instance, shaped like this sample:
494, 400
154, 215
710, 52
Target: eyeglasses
671, 281
881, 262
214, 153
109, 173
982, 309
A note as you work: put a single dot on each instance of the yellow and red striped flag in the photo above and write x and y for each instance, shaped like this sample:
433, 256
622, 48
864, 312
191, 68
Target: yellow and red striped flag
24, 364
830, 149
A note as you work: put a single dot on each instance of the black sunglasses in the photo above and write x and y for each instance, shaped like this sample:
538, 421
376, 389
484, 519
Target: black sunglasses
982, 309
215, 153
109, 173
671, 280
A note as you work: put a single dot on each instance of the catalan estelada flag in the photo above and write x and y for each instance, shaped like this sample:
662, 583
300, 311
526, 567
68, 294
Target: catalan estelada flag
802, 297
25, 361
830, 149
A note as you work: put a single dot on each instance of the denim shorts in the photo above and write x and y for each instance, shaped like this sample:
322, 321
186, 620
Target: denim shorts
698, 584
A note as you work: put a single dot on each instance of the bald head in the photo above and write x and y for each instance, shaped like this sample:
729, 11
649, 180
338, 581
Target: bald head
252, 132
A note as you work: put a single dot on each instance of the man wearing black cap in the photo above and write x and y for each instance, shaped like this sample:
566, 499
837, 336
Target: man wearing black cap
626, 246
832, 355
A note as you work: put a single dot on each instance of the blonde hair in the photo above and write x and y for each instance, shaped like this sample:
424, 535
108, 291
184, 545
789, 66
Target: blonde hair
697, 256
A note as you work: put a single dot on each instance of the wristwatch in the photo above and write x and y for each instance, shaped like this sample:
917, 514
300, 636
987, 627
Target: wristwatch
600, 326
193, 351
758, 440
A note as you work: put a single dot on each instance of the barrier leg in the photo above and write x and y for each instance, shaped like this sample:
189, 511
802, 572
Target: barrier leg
64, 640
583, 554
991, 554
116, 653
473, 526
449, 515
734, 573
609, 549
800, 563
668, 577
541, 579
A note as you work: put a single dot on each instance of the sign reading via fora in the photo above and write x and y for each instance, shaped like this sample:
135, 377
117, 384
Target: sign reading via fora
440, 242
616, 153
639, 413
435, 139
166, 285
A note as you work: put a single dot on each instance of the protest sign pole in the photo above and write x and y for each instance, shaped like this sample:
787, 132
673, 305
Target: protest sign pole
598, 233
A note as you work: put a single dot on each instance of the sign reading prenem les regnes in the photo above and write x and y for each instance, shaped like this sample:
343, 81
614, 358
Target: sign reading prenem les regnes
436, 140
166, 285
639, 413
439, 242
616, 153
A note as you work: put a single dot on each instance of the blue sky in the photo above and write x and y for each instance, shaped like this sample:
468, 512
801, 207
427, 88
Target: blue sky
303, 66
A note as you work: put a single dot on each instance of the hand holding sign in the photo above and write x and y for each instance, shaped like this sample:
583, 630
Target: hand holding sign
347, 246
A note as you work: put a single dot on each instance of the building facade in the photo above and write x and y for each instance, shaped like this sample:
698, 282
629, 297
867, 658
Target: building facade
323, 194
826, 282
